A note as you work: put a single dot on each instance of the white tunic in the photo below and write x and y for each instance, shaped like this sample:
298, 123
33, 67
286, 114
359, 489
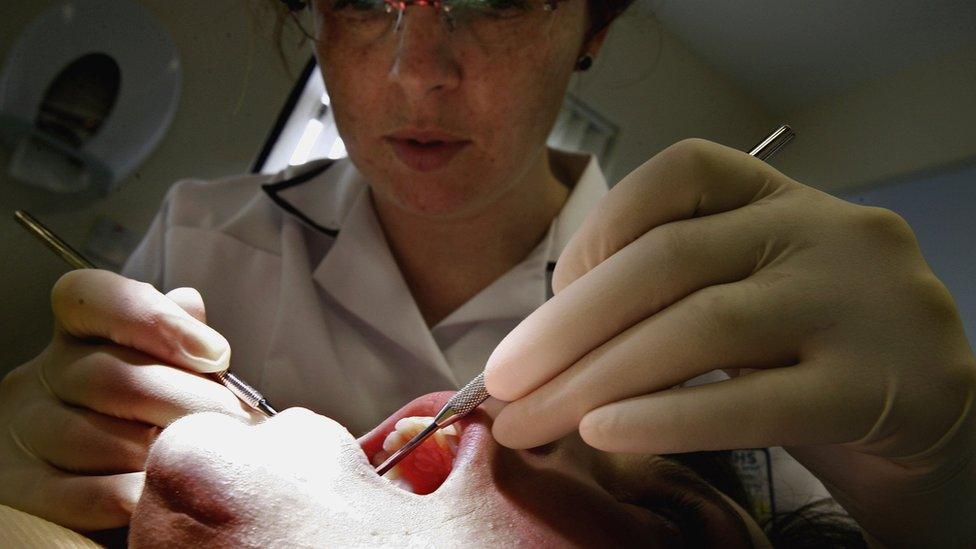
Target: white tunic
296, 273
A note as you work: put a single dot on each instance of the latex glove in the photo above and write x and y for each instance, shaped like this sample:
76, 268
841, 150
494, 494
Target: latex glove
707, 258
76, 421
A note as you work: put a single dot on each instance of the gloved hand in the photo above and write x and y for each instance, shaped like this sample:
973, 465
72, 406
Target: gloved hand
841, 343
78, 419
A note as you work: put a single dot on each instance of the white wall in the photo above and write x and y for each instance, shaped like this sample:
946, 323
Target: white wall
918, 119
657, 92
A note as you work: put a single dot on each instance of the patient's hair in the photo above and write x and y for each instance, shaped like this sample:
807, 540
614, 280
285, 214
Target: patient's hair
818, 524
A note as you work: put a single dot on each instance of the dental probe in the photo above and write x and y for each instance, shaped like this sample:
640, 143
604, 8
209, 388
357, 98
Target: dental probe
473, 394
247, 394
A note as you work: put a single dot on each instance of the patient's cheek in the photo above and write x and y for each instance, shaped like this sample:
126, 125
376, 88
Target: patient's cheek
192, 483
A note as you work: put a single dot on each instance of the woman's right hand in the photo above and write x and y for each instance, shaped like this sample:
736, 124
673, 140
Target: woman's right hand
76, 421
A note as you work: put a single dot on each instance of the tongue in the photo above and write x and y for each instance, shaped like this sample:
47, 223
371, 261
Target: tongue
428, 465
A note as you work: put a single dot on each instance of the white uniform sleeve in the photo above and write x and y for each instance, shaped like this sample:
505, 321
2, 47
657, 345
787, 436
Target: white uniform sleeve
147, 263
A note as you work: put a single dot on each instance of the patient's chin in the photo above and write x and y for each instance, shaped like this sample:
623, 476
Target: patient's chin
154, 524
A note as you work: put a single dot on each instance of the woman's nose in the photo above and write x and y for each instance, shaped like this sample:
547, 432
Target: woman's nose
425, 59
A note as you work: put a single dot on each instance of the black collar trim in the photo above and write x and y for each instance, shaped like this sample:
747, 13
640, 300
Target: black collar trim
272, 190
550, 268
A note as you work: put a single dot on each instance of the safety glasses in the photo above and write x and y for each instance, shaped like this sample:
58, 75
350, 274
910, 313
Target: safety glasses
483, 21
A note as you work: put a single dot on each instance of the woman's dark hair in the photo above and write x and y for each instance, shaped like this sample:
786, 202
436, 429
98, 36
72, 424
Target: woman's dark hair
603, 12
818, 524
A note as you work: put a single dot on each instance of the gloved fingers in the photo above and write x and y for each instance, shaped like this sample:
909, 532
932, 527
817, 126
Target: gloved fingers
190, 300
97, 502
84, 503
692, 178
91, 303
77, 440
738, 325
805, 404
655, 271
129, 385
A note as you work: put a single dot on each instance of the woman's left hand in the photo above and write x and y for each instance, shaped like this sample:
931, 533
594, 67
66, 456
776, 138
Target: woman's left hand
841, 343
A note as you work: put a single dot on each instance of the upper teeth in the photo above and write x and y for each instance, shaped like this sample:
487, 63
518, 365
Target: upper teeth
408, 427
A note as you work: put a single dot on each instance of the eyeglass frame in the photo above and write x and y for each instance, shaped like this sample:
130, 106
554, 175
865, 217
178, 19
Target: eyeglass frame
295, 6
298, 5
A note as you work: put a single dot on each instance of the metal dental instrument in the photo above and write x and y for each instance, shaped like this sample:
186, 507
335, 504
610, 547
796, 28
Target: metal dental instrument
473, 394
773, 143
248, 395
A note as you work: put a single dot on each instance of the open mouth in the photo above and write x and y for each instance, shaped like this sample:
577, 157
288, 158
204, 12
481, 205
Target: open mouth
431, 464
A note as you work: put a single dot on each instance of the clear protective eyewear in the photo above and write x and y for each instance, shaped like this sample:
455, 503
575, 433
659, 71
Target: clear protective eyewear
488, 22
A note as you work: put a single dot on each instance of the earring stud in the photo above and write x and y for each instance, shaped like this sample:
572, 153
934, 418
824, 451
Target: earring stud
584, 62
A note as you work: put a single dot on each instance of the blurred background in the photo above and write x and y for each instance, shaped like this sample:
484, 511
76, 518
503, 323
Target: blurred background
882, 94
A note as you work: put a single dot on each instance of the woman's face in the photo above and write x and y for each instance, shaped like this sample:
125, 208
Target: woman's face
443, 123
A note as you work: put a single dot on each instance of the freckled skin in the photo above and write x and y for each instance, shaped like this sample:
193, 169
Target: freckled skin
502, 97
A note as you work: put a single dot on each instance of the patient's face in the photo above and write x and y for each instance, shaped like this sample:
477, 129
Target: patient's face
300, 479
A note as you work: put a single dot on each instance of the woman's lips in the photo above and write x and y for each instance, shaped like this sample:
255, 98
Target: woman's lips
425, 155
